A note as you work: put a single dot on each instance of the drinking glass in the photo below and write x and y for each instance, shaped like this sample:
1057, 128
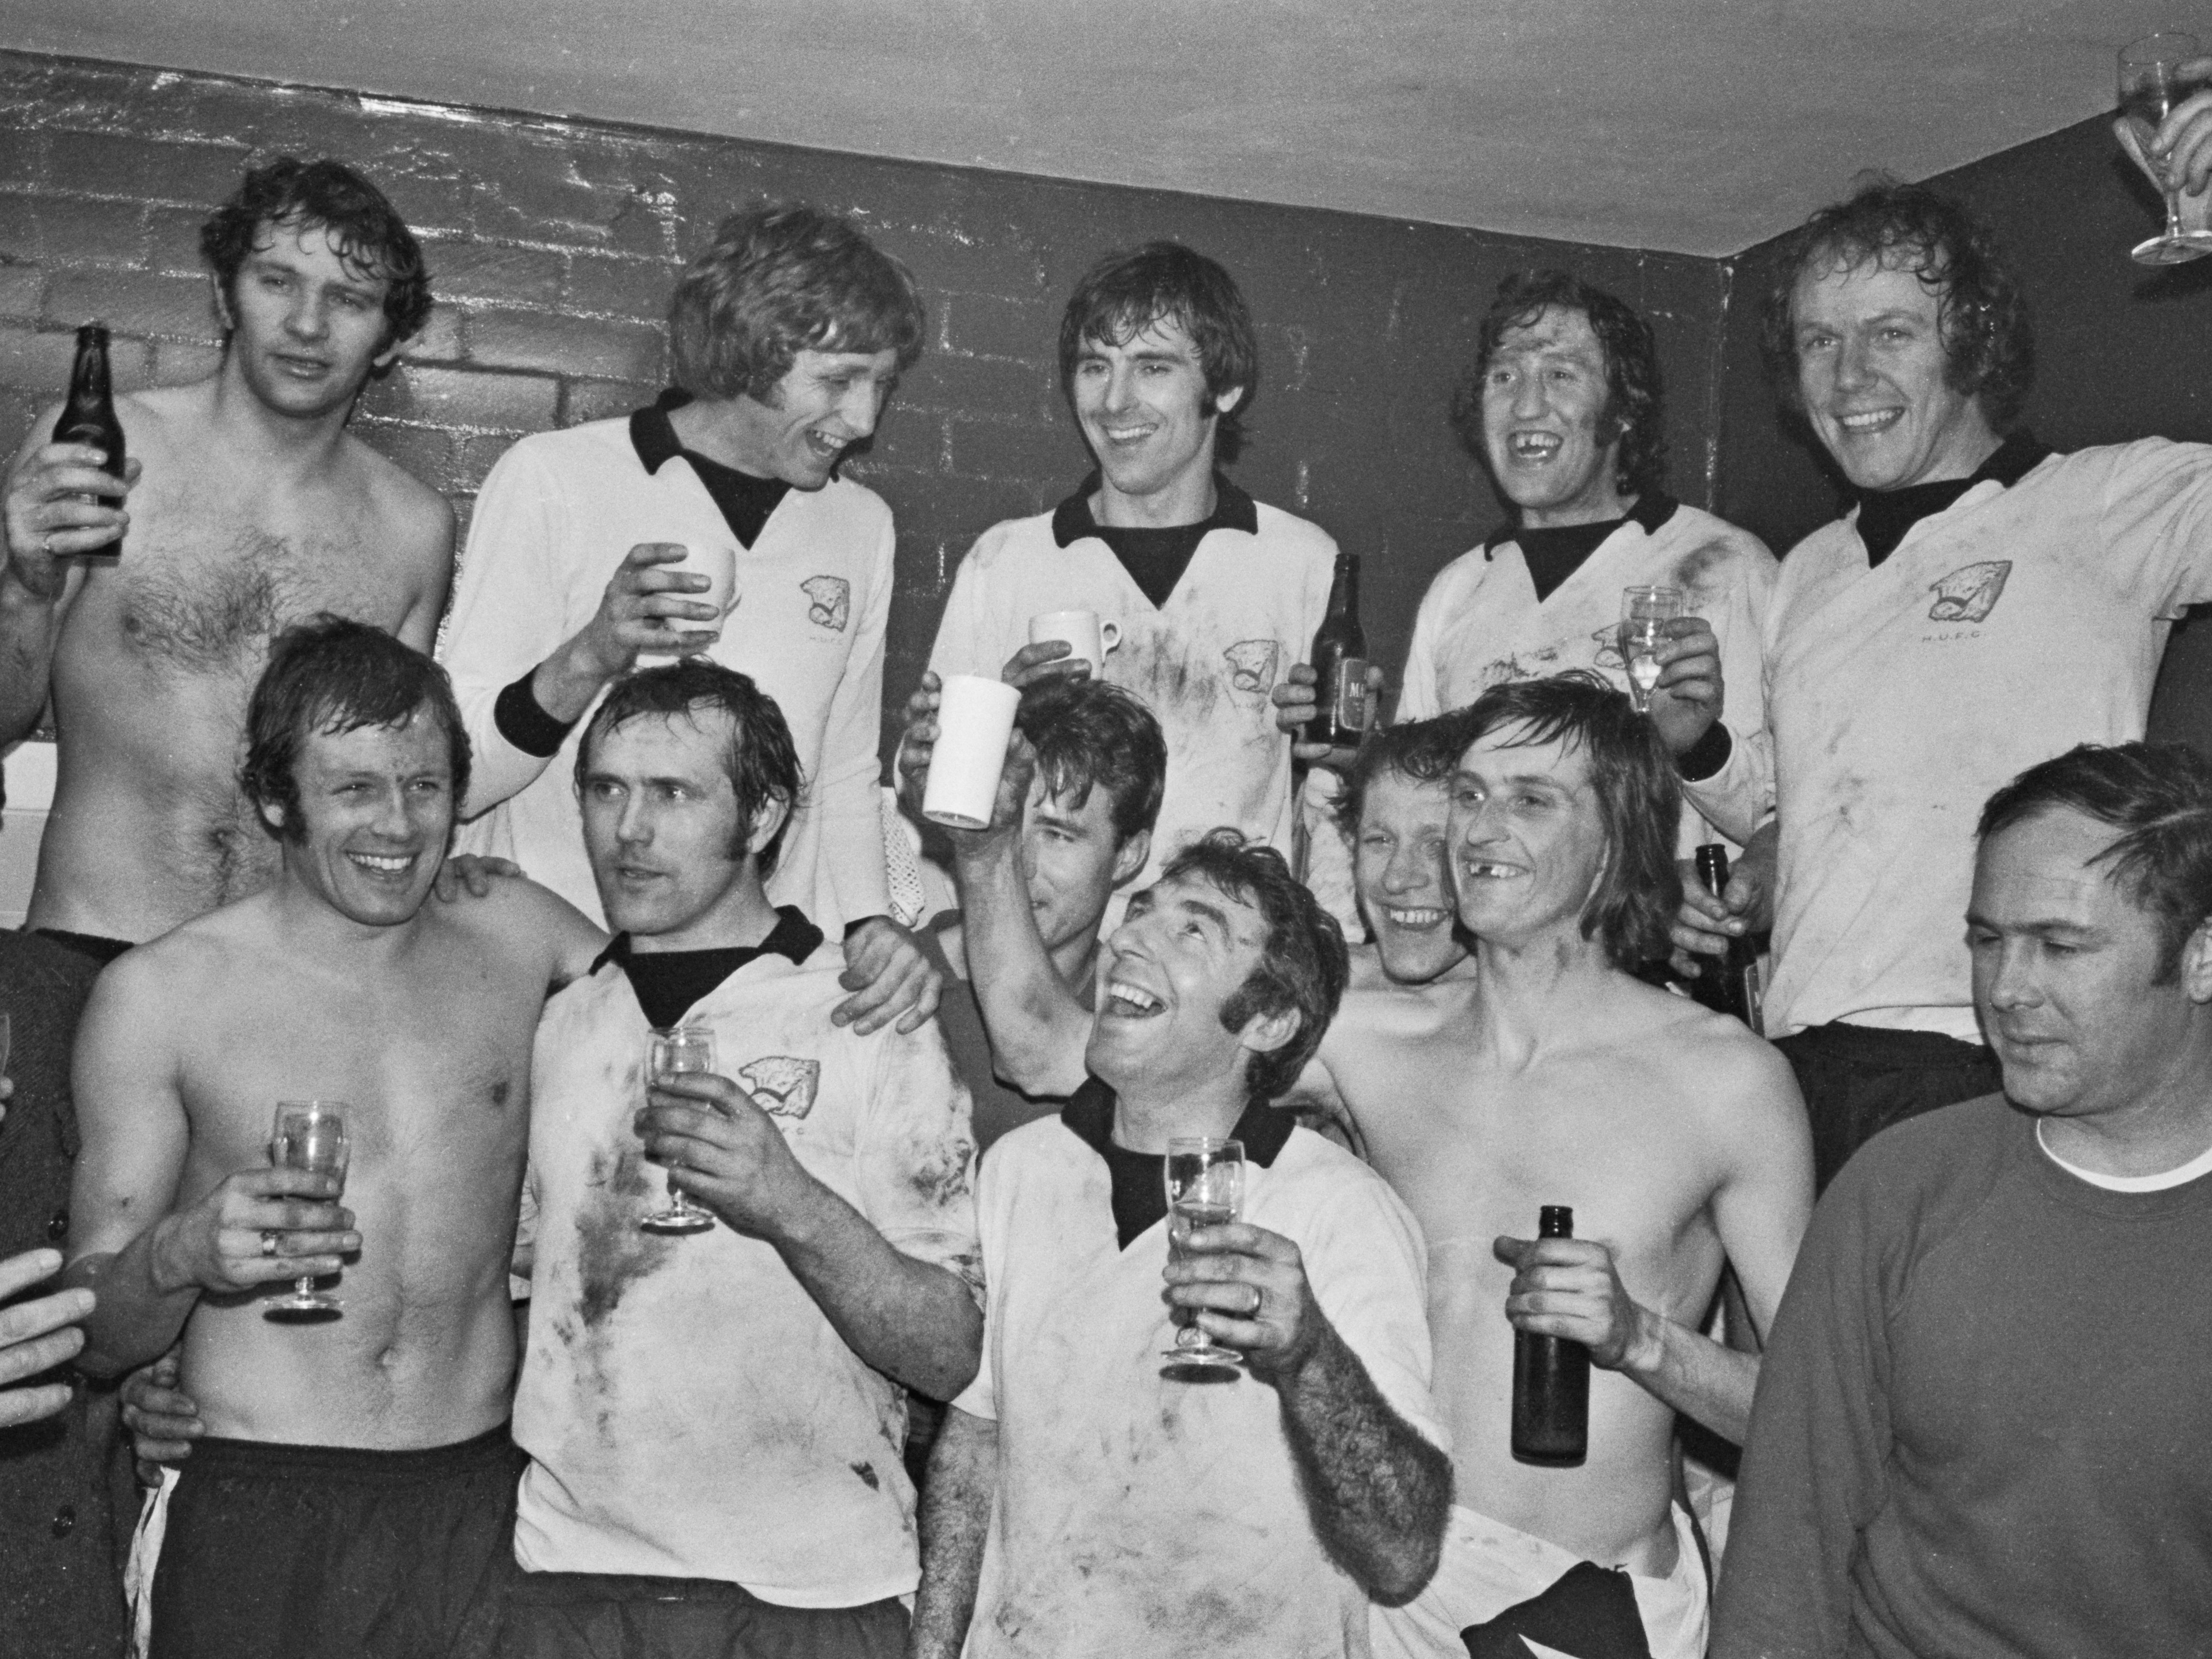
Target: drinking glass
1645, 614
1206, 1189
2156, 73
680, 1051
308, 1134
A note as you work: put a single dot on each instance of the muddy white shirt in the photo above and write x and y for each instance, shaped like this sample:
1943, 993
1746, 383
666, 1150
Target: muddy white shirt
1244, 611
559, 512
1480, 624
688, 1409
2020, 621
1134, 1514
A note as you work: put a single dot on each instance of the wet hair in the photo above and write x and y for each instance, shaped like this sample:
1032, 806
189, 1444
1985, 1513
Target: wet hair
1420, 751
328, 676
1634, 409
1302, 966
1640, 801
761, 763
1126, 292
1088, 733
2158, 797
780, 280
371, 237
1989, 343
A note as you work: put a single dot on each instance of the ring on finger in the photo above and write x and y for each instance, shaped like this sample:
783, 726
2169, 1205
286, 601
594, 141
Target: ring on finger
268, 1240
1257, 1297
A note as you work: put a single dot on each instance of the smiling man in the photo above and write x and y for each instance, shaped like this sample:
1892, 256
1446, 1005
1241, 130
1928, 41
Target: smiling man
1985, 605
354, 1493
250, 508
1976, 1427
788, 333
1216, 595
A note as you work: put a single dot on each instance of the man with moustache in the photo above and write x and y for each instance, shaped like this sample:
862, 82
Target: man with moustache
1978, 1426
1985, 605
788, 334
716, 1421
250, 507
353, 1493
1216, 595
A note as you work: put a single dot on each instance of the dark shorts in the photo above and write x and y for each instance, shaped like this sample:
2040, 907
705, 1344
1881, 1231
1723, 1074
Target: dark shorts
100, 948
277, 1551
605, 1615
1590, 1612
1857, 1080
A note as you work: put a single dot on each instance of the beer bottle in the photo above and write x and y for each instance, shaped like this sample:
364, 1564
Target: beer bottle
88, 417
1729, 986
1551, 1381
1339, 664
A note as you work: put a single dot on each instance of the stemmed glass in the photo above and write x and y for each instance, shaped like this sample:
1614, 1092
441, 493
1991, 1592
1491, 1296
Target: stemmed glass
1206, 1189
2156, 73
311, 1135
1645, 614
680, 1051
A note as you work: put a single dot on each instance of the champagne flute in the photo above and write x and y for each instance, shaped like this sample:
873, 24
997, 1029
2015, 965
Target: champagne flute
680, 1051
1205, 1177
1645, 614
2156, 73
308, 1134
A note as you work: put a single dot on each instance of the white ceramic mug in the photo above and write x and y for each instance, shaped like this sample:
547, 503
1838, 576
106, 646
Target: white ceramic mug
975, 718
1088, 639
718, 562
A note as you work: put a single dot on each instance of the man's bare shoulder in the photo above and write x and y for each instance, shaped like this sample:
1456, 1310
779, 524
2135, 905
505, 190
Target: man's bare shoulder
1734, 1078
193, 962
418, 520
536, 927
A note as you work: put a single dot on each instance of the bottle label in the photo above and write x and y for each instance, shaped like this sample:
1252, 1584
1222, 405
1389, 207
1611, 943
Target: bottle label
1351, 697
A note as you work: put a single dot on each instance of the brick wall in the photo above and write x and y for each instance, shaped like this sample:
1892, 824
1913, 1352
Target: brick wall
553, 245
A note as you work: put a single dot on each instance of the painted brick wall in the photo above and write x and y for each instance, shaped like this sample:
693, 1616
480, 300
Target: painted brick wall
553, 245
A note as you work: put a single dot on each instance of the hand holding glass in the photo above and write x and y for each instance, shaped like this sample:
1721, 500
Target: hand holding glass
1645, 614
2157, 73
311, 1135
1206, 1189
681, 1051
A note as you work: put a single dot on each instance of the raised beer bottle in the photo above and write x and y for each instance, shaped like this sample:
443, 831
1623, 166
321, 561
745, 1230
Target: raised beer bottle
88, 417
1339, 664
1729, 986
1551, 1381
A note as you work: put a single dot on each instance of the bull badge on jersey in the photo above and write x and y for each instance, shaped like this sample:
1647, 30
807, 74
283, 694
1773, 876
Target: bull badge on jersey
1252, 666
1969, 593
829, 601
782, 1085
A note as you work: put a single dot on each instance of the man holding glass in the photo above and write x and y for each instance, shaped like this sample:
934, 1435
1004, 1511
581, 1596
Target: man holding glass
1985, 605
1085, 1489
715, 1419
356, 1475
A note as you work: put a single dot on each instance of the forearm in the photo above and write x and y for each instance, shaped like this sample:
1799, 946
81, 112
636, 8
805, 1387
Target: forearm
1379, 1495
565, 683
27, 626
1037, 1027
914, 1322
955, 1520
1693, 1373
138, 1311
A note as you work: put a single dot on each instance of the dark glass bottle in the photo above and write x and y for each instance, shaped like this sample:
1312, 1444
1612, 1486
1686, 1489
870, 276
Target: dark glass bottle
1339, 664
1551, 1381
88, 417
1729, 986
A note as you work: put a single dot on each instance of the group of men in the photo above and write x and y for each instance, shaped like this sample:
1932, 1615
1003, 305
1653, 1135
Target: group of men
898, 1400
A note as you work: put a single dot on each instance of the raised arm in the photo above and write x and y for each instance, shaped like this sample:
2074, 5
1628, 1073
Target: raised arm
146, 1257
51, 513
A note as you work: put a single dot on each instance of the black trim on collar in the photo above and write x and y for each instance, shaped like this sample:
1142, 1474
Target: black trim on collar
793, 937
1652, 510
1232, 510
745, 502
1138, 1183
1886, 517
653, 434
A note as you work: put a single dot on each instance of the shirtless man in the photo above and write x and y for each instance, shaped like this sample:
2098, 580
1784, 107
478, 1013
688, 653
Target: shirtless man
250, 508
1677, 1139
356, 1474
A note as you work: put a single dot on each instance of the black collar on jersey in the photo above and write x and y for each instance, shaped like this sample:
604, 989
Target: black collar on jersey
669, 983
1139, 1179
746, 502
1155, 558
1885, 516
1553, 554
1652, 510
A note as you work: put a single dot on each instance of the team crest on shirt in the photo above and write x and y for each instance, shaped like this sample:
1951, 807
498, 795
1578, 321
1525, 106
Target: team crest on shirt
1608, 640
782, 1085
1252, 666
1969, 593
829, 601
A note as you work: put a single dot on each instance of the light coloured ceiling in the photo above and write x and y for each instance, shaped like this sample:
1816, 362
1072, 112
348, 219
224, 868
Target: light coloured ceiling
1701, 126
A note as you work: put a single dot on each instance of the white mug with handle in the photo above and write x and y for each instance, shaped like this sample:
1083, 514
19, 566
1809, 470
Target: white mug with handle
1087, 638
